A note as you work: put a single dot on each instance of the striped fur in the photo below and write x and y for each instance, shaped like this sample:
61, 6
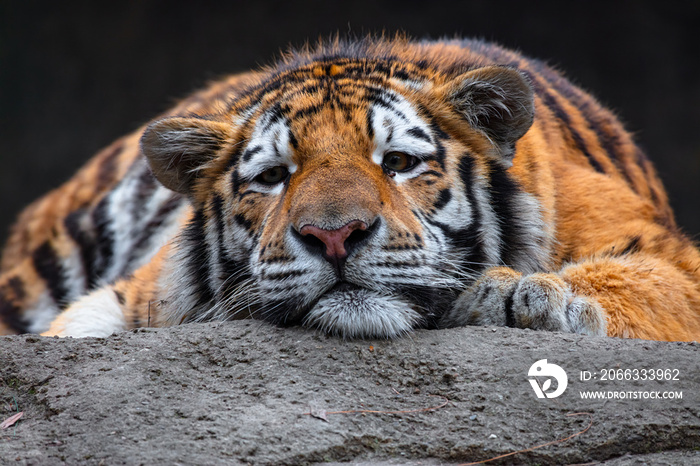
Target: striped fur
365, 188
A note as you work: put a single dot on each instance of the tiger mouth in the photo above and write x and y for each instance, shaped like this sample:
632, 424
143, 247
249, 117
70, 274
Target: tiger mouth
343, 287
352, 311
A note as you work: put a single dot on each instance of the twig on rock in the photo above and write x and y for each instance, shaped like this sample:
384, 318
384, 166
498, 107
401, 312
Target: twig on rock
590, 423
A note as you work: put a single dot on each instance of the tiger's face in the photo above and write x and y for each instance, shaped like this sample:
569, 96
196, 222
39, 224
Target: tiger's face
346, 200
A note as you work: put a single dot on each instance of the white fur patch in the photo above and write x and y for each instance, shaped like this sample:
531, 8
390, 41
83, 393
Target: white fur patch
97, 314
362, 314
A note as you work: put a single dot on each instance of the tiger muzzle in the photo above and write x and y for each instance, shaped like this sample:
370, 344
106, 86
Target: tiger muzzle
335, 245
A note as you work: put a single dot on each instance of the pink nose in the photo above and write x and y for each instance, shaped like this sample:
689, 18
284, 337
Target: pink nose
334, 239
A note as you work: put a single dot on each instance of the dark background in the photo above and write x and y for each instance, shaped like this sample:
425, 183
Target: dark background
75, 76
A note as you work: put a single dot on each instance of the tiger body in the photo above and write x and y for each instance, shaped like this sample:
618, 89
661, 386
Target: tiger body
365, 188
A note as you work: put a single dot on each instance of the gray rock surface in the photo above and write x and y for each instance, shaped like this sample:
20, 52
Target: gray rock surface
240, 392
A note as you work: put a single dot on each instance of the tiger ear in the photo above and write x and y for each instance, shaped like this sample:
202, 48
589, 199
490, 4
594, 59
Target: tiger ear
178, 148
497, 100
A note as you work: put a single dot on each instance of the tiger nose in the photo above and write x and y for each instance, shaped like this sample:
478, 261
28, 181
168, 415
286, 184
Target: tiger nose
336, 242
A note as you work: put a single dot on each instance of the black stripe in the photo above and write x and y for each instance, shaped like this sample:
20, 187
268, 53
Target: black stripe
426, 231
418, 133
437, 129
439, 154
308, 111
599, 120
251, 151
16, 285
106, 172
235, 155
394, 265
311, 87
551, 102
198, 258
383, 99
276, 113
400, 74
633, 246
120, 297
390, 136
216, 209
351, 91
10, 315
284, 275
415, 247
503, 192
11, 296
164, 211
443, 198
609, 140
104, 238
388, 106
370, 126
432, 172
439, 134
48, 266
472, 235
592, 113
510, 317
468, 239
277, 259
293, 140
380, 95
242, 221
148, 232
84, 240
229, 267
276, 149
235, 182
145, 185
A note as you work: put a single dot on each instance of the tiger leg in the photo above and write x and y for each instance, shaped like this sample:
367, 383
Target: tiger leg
97, 314
643, 296
618, 296
131, 302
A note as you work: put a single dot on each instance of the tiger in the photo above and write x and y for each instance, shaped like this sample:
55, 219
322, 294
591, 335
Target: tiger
364, 188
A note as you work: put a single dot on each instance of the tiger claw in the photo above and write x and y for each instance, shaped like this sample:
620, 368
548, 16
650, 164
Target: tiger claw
505, 298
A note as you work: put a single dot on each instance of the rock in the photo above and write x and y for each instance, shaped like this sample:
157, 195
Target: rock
243, 392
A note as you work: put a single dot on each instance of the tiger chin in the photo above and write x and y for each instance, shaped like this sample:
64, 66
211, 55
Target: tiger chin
366, 188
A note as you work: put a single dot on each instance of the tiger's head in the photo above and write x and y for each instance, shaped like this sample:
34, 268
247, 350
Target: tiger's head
356, 195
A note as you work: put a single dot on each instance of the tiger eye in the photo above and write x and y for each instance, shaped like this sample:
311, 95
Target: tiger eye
273, 175
399, 162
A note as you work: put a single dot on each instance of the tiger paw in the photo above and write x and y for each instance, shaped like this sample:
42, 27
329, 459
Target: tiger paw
541, 301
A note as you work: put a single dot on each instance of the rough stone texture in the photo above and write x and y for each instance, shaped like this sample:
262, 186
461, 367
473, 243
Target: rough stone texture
239, 393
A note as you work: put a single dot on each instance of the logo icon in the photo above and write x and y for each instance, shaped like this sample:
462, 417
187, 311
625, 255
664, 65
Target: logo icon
547, 371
